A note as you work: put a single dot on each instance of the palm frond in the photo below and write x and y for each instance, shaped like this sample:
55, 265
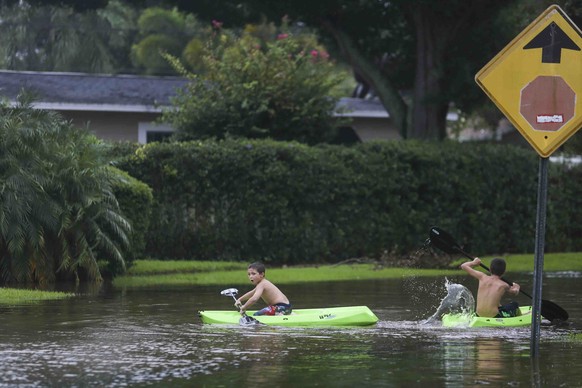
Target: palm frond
57, 209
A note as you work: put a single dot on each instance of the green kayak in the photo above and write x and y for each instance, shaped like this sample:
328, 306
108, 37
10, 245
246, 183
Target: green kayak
472, 320
332, 316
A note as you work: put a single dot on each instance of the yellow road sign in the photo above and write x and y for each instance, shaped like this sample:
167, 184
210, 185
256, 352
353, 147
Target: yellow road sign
536, 80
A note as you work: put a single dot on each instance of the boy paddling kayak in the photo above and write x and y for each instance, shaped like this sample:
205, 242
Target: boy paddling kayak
491, 289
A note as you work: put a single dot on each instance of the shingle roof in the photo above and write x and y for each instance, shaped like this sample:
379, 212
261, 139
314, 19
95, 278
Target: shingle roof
133, 92
123, 93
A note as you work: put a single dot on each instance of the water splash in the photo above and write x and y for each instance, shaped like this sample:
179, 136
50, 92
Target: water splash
458, 300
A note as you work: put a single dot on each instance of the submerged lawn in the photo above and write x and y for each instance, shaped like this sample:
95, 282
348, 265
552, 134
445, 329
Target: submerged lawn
553, 262
12, 296
152, 273
157, 267
277, 275
157, 273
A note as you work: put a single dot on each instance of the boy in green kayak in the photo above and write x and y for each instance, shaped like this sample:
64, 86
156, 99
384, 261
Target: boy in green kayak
277, 302
492, 289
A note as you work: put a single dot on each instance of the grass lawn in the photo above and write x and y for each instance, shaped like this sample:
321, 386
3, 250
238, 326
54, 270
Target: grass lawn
12, 296
153, 273
278, 275
553, 262
163, 274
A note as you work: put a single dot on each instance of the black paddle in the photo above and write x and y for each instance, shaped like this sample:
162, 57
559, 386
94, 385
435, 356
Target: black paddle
245, 319
446, 243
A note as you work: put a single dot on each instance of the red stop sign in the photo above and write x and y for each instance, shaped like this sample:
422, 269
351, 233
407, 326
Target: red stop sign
547, 103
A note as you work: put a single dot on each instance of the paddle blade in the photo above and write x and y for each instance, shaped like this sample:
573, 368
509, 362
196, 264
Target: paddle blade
552, 311
444, 241
245, 320
229, 292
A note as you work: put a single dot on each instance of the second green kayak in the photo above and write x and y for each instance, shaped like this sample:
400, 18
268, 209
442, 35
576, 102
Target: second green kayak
331, 316
472, 320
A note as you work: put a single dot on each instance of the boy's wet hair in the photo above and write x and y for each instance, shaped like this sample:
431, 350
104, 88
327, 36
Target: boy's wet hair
497, 266
258, 266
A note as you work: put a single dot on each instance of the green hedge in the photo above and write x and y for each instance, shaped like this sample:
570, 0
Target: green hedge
135, 200
292, 203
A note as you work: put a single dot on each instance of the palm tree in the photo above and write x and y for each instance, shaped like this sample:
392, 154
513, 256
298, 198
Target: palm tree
51, 38
58, 214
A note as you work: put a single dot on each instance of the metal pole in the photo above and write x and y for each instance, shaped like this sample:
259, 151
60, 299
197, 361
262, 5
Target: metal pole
539, 256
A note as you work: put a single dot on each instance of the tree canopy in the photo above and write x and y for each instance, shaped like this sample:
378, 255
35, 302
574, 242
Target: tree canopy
419, 56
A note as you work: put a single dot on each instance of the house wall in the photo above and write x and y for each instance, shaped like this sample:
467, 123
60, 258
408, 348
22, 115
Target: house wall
112, 126
133, 127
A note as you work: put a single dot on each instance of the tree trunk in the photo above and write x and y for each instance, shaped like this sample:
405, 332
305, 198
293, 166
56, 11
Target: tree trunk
429, 108
388, 94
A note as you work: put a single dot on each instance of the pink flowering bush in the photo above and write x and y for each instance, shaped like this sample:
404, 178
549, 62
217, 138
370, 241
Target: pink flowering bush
253, 88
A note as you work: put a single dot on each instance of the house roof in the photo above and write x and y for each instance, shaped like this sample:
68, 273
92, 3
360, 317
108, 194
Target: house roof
93, 92
124, 93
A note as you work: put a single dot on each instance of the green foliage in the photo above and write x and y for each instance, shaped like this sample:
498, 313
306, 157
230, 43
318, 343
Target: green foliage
164, 31
161, 21
135, 200
410, 46
58, 208
60, 38
148, 53
564, 231
281, 91
291, 203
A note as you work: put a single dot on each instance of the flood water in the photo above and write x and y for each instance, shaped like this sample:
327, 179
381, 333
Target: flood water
115, 337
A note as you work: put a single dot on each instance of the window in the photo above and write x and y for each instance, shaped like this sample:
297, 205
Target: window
150, 132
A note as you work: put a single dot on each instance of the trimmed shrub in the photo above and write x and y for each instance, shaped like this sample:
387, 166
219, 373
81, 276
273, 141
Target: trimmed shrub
135, 200
291, 203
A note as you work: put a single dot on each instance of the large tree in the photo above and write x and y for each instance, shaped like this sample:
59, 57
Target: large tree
419, 56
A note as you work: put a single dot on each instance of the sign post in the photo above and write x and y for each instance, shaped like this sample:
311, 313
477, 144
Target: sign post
536, 81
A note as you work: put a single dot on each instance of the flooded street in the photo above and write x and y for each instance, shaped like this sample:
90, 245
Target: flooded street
155, 338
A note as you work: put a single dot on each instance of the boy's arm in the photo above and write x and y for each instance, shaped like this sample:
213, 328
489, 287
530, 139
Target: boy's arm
468, 267
514, 289
246, 296
257, 293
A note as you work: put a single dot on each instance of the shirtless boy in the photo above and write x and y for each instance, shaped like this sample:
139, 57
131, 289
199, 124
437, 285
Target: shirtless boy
492, 289
277, 302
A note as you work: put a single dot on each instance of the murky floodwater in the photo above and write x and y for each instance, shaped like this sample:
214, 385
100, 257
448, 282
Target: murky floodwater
155, 338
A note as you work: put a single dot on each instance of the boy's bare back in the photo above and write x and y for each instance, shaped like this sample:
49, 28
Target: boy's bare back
270, 293
491, 289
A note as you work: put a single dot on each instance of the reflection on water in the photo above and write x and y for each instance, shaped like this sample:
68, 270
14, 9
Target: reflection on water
134, 338
270, 367
489, 362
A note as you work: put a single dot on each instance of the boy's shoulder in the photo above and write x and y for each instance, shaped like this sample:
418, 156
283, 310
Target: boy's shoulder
497, 280
266, 283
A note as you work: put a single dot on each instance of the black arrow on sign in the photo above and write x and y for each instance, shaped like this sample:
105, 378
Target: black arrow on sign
552, 40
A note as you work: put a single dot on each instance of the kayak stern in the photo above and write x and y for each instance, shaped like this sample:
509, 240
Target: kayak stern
471, 320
